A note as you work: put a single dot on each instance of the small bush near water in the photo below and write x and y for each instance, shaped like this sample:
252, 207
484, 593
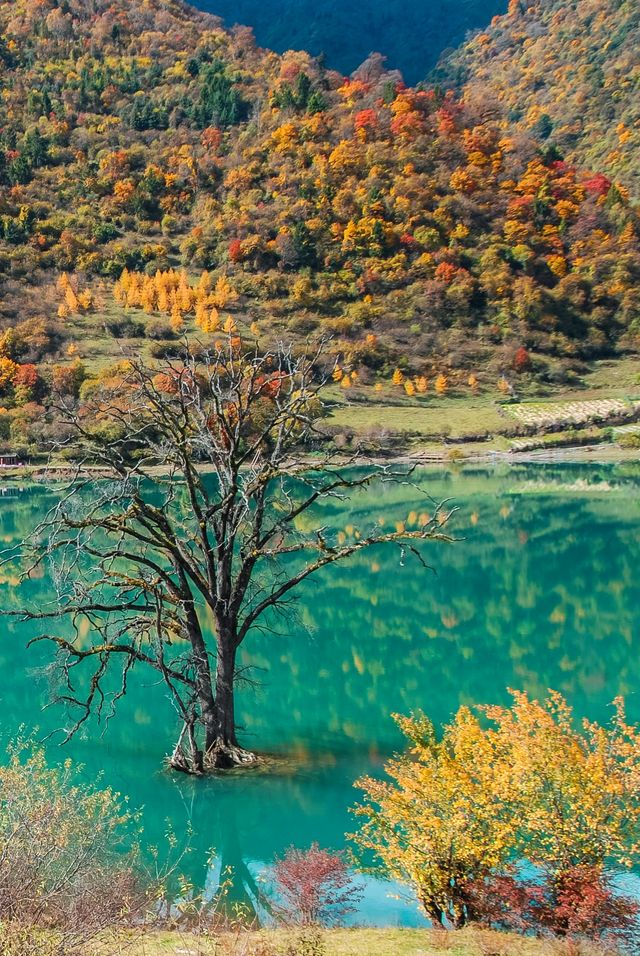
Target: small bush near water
68, 870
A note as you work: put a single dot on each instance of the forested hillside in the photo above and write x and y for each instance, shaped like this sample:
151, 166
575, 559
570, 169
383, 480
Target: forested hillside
246, 191
567, 71
411, 33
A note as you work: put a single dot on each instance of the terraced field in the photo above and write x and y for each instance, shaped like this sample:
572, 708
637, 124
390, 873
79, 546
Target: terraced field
545, 415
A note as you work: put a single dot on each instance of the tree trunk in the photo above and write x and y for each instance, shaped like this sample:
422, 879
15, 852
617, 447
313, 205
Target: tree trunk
191, 760
222, 750
433, 911
225, 692
216, 708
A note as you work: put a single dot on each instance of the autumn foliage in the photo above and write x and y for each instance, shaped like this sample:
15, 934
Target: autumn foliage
556, 72
521, 360
312, 203
581, 902
314, 887
505, 786
198, 185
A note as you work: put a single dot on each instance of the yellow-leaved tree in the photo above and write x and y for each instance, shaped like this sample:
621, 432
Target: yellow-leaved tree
577, 786
436, 825
498, 787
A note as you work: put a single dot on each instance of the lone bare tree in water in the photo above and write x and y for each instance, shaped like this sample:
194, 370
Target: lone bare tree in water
196, 528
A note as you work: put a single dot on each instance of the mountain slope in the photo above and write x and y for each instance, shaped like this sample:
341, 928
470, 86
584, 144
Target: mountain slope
410, 33
567, 71
266, 193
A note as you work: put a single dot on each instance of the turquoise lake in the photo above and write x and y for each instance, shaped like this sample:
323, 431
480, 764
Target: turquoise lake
542, 591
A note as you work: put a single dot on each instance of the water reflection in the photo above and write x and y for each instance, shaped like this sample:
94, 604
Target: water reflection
542, 592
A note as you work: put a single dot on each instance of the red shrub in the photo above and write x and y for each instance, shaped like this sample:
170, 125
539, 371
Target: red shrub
598, 185
582, 902
579, 903
314, 886
211, 138
26, 375
366, 119
503, 902
446, 272
235, 250
521, 360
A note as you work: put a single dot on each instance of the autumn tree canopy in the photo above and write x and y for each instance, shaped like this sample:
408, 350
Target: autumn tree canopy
500, 785
564, 73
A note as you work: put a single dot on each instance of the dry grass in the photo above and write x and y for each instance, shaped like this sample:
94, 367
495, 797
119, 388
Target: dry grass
549, 414
357, 942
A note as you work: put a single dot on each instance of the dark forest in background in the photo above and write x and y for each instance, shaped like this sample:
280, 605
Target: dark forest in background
411, 33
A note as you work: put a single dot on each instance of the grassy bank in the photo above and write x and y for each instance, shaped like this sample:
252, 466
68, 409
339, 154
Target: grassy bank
604, 410
603, 414
357, 942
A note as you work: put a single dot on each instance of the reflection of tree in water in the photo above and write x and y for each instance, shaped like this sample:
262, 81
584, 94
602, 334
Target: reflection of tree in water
249, 822
229, 884
208, 879
542, 593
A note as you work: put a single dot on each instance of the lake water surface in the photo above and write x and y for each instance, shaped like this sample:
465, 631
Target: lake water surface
543, 592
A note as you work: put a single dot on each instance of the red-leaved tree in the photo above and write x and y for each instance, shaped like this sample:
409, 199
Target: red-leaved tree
313, 887
522, 360
583, 902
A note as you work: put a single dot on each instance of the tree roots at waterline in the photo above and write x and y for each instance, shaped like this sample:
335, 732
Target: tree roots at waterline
188, 758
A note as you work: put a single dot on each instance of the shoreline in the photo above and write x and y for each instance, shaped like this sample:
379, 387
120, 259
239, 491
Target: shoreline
573, 454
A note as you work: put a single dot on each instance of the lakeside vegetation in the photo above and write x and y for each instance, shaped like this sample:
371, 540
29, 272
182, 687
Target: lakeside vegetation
362, 942
454, 820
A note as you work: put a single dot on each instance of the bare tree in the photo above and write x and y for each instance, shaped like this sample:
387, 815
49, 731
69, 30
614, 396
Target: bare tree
197, 512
